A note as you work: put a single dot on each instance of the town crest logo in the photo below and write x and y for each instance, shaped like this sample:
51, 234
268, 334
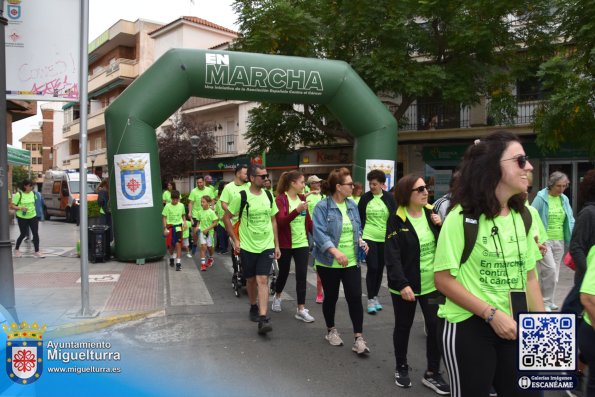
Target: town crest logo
24, 352
132, 178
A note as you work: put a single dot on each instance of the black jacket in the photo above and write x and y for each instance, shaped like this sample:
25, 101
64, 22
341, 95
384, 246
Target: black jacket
387, 198
401, 250
583, 238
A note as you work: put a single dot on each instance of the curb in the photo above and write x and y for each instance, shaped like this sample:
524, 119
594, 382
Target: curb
83, 327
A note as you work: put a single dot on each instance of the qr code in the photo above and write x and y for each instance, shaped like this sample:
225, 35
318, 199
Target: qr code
547, 342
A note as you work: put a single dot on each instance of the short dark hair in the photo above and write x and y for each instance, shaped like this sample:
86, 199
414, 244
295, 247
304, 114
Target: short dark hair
200, 177
376, 175
480, 174
586, 188
253, 168
404, 187
175, 194
206, 198
26, 182
239, 167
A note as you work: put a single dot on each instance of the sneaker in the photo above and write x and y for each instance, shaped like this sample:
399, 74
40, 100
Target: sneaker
18, 254
276, 306
38, 254
319, 298
378, 305
547, 309
210, 262
254, 313
203, 267
371, 306
264, 325
178, 267
304, 315
359, 346
436, 383
171, 262
493, 392
554, 307
402, 376
188, 255
333, 337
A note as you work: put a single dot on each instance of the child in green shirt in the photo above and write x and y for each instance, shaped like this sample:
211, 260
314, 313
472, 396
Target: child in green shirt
207, 221
174, 223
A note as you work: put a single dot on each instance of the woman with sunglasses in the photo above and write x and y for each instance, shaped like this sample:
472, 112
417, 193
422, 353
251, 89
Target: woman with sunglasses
409, 255
555, 212
479, 328
337, 235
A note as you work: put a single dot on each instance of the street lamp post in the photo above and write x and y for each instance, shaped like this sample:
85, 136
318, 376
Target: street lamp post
92, 158
194, 141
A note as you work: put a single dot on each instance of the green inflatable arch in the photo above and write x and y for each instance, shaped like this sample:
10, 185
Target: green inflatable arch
132, 118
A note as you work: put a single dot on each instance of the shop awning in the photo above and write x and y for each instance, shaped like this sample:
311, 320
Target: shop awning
18, 156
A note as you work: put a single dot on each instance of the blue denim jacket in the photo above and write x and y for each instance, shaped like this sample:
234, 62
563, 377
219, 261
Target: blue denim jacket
541, 203
328, 225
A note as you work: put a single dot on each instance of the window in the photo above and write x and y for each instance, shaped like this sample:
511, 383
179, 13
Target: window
40, 160
28, 146
40, 147
98, 143
33, 160
56, 187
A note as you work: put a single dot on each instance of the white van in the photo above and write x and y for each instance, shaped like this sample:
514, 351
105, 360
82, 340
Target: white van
61, 193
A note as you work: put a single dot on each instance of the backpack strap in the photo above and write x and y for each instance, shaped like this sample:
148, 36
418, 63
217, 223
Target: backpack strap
527, 219
270, 196
470, 229
243, 203
20, 197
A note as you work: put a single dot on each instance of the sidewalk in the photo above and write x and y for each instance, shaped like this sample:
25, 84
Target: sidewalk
48, 290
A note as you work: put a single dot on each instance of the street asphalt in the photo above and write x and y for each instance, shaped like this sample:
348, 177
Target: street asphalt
194, 317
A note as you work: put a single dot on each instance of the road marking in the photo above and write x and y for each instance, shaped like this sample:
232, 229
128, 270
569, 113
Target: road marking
102, 278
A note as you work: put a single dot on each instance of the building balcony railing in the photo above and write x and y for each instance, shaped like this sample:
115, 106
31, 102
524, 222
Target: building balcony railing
194, 102
225, 144
73, 128
122, 68
436, 116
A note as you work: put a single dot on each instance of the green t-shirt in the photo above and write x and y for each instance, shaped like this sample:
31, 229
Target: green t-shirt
355, 198
537, 228
26, 200
212, 191
555, 218
206, 220
376, 217
229, 192
186, 232
256, 229
219, 211
588, 285
173, 214
299, 238
427, 249
488, 273
166, 197
195, 195
345, 241
312, 200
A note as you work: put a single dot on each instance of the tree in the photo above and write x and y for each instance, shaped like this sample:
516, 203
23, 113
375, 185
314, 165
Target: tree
176, 153
454, 51
20, 173
568, 114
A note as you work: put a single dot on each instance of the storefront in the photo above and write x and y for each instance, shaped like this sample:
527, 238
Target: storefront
322, 161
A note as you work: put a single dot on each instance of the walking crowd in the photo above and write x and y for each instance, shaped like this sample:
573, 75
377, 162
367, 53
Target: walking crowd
473, 263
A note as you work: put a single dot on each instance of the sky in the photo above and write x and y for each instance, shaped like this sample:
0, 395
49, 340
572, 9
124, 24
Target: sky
104, 13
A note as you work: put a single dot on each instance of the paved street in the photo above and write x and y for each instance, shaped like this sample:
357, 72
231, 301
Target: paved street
198, 333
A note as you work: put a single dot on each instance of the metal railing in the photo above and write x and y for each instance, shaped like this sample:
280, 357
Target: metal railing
434, 116
226, 144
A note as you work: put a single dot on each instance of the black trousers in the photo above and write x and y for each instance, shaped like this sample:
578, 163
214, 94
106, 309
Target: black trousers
331, 279
24, 226
375, 263
404, 314
476, 358
586, 344
300, 258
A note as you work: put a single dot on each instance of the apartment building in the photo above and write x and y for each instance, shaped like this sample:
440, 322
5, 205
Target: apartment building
33, 142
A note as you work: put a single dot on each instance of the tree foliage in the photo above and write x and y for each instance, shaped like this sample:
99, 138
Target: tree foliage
456, 51
20, 173
176, 153
568, 115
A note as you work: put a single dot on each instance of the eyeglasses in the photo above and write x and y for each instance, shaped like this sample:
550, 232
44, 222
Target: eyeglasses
263, 176
520, 160
420, 189
346, 184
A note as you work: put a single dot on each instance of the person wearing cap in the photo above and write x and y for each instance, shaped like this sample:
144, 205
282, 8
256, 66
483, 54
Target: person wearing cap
312, 198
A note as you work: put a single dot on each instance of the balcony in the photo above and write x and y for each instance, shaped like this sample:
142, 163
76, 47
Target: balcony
94, 122
226, 144
194, 102
121, 69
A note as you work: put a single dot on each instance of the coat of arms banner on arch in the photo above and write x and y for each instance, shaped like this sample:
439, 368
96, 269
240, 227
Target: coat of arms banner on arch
133, 180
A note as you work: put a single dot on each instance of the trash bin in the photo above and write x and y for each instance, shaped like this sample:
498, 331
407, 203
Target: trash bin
99, 243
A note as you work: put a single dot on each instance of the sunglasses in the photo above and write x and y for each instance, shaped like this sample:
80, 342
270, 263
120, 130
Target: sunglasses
263, 176
520, 160
420, 189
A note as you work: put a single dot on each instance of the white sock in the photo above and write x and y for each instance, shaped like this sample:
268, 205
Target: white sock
178, 261
174, 255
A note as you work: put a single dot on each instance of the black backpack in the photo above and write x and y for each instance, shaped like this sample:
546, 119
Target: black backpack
244, 201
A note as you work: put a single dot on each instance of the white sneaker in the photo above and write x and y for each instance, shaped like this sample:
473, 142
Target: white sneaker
359, 346
333, 338
276, 306
189, 255
304, 315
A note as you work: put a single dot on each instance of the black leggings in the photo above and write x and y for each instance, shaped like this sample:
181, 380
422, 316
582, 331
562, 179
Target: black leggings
331, 279
300, 257
375, 263
476, 358
404, 315
24, 226
586, 344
